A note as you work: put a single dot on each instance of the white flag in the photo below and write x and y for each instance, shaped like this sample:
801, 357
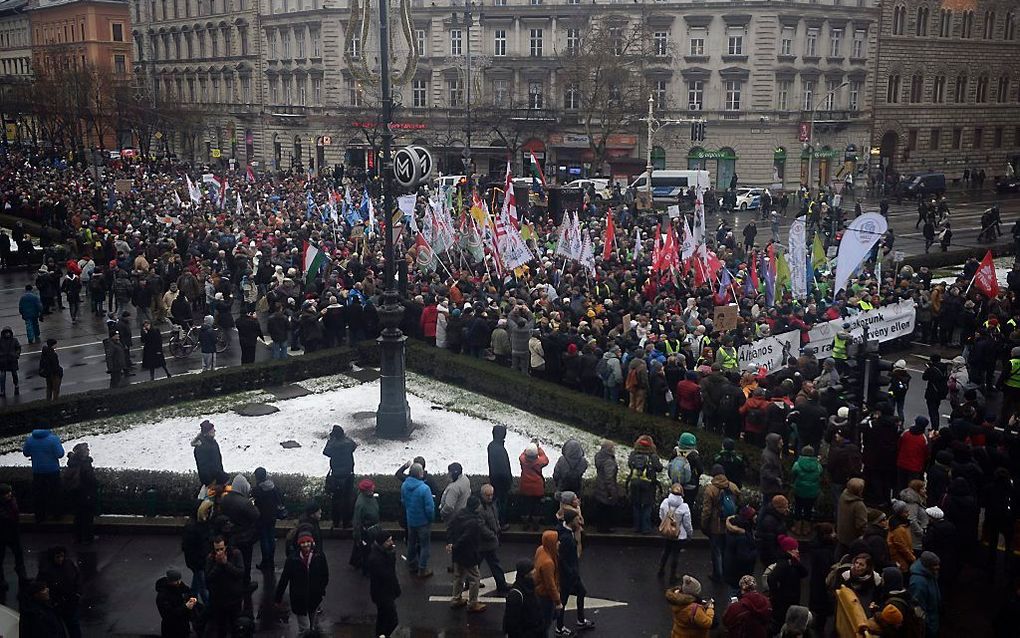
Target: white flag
194, 191
688, 246
637, 244
858, 240
797, 249
587, 257
239, 209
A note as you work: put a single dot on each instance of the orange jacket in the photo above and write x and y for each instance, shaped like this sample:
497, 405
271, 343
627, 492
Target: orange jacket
690, 619
547, 573
901, 546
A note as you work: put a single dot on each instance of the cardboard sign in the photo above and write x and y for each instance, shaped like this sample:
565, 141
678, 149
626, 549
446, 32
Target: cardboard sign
357, 232
626, 323
123, 186
726, 317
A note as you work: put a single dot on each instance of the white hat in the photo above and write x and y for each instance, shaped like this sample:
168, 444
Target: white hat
935, 513
843, 412
900, 365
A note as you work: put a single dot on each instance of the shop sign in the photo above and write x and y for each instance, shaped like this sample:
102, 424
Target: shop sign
394, 126
619, 140
569, 140
702, 154
804, 131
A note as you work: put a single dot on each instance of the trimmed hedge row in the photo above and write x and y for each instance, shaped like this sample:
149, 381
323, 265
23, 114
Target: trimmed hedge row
73, 408
557, 402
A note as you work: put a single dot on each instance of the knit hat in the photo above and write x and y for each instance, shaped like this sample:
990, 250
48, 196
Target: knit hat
567, 497
843, 413
875, 516
260, 474
688, 440
173, 575
930, 561
728, 444
748, 583
921, 421
807, 450
366, 485
524, 566
206, 426
900, 365
892, 578
305, 537
531, 451
891, 615
747, 513
690, 586
788, 543
934, 513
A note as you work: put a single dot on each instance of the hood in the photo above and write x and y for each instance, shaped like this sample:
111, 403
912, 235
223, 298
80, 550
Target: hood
549, 540
678, 598
917, 569
773, 441
910, 496
207, 320
757, 603
241, 485
499, 433
849, 497
6, 333
163, 584
266, 486
720, 481
40, 434
608, 355
572, 450
198, 441
797, 619
674, 500
413, 482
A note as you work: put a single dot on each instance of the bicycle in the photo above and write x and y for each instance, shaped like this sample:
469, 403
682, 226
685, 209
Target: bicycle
183, 343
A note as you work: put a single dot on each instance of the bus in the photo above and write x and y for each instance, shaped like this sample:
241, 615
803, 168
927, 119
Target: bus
667, 185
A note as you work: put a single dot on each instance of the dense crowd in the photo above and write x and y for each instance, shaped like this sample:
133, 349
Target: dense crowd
906, 493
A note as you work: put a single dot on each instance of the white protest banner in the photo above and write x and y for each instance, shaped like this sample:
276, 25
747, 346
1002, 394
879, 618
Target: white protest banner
863, 233
771, 353
884, 323
797, 258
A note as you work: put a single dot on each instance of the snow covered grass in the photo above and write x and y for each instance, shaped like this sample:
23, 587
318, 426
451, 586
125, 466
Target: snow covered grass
451, 424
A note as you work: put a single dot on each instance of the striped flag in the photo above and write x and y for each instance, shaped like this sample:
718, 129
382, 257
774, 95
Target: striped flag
313, 261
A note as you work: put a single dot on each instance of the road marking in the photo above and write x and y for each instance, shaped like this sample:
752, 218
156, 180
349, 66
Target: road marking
85, 345
490, 584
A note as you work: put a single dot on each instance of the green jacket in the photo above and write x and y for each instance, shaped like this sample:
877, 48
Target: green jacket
807, 477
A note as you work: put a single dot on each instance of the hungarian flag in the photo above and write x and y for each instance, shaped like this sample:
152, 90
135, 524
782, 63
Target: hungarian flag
426, 258
313, 261
249, 173
610, 238
536, 170
985, 278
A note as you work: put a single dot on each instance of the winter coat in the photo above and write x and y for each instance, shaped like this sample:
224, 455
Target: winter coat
45, 450
819, 555
523, 615
30, 306
924, 587
429, 316
607, 488
901, 551
784, 582
10, 350
419, 506
532, 483
741, 552
843, 463
681, 514
688, 395
307, 583
851, 518
499, 461
248, 331
771, 473
340, 450
520, 323
86, 486
807, 477
267, 501
384, 587
500, 342
152, 350
712, 519
615, 372
961, 508
489, 514
225, 582
465, 531
278, 327
547, 574
755, 411
916, 515
366, 514
748, 617
454, 497
64, 580
912, 454
688, 622
570, 468
39, 619
175, 617
207, 458
207, 339
236, 505
771, 525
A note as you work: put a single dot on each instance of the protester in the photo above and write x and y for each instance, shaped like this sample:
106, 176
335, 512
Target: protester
419, 509
522, 617
177, 605
10, 352
269, 503
675, 527
62, 577
692, 617
307, 575
366, 517
340, 480
45, 450
79, 482
750, 615
532, 484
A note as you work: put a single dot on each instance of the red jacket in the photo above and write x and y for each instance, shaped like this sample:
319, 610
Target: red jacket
755, 414
688, 395
429, 315
532, 482
912, 455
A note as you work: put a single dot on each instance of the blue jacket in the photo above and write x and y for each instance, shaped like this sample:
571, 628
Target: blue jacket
418, 503
924, 587
30, 306
45, 450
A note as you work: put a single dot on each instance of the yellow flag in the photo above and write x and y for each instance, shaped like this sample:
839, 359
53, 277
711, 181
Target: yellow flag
782, 272
818, 259
527, 232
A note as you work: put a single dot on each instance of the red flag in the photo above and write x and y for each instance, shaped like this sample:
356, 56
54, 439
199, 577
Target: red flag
657, 249
985, 278
669, 251
610, 238
754, 272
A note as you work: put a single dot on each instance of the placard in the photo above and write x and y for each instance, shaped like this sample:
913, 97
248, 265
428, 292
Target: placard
123, 186
726, 317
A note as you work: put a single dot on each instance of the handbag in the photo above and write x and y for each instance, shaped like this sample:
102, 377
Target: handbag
332, 482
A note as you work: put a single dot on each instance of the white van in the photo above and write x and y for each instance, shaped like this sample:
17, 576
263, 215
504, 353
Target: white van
448, 180
667, 185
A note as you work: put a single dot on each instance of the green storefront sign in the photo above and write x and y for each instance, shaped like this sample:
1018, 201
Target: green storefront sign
821, 154
701, 154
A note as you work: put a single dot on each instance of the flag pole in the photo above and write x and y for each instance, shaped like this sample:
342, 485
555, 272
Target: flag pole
970, 284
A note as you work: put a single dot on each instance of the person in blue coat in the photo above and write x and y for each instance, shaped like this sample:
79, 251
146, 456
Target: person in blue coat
31, 309
924, 587
45, 450
420, 509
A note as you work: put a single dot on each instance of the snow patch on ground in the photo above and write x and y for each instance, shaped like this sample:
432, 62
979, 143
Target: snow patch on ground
451, 425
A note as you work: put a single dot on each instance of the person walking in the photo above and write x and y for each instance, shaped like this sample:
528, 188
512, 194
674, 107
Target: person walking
547, 578
10, 352
340, 480
249, 333
489, 511
224, 571
720, 501
71, 287
676, 528
81, 485
50, 369
366, 516
116, 359
384, 588
152, 350
177, 606
307, 575
420, 512
269, 503
31, 310
500, 477
208, 459
207, 344
465, 535
532, 484
63, 579
570, 583
45, 450
807, 485
522, 617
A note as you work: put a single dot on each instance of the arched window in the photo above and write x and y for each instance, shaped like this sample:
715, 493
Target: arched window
1009, 27
892, 91
967, 24
658, 158
899, 20
922, 21
916, 88
981, 95
938, 89
989, 24
945, 23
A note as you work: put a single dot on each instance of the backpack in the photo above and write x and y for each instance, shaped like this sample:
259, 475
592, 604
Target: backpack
727, 403
680, 470
727, 504
602, 370
668, 527
914, 621
640, 468
71, 478
898, 387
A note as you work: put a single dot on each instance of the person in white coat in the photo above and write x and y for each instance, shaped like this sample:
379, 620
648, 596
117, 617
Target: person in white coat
674, 508
443, 313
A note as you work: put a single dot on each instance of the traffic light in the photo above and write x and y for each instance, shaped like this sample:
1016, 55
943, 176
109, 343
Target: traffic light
877, 379
694, 131
701, 130
698, 131
853, 380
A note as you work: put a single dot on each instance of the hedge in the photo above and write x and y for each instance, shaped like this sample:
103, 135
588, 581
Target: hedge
94, 404
554, 401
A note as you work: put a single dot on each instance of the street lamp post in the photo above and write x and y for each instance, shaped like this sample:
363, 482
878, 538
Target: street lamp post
648, 147
393, 418
811, 134
468, 23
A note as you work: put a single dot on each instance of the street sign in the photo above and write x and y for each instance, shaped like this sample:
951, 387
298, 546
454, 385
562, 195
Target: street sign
425, 162
216, 153
327, 140
899, 256
406, 169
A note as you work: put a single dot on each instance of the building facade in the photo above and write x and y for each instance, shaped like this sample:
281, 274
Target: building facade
947, 90
84, 32
491, 77
15, 63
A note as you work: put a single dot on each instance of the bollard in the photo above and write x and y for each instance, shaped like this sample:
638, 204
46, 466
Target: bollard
150, 501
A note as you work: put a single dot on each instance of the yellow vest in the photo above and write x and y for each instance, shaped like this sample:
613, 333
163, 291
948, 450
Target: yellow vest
864, 305
838, 348
672, 346
1014, 374
728, 358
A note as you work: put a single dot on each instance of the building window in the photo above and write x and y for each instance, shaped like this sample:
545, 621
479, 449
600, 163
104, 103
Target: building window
660, 43
957, 138
499, 3
1009, 27
786, 44
229, 85
317, 91
119, 64
733, 89
299, 44
836, 43
215, 90
616, 40
573, 41
355, 92
456, 42
831, 95
912, 139
858, 46
659, 92
807, 102
997, 135
960, 94
933, 144
501, 93
899, 20
938, 89
419, 94
916, 88
697, 40
854, 99
979, 134
536, 2
455, 93
1002, 93
419, 42
242, 34
783, 94
811, 43
981, 95
989, 24
499, 42
535, 96
285, 44
892, 90
945, 23
118, 32
302, 88
535, 43
214, 44
246, 89
313, 36
571, 98
967, 25
287, 87
696, 95
921, 28
735, 42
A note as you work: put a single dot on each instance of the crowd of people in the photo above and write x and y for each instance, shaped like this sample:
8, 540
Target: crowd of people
624, 330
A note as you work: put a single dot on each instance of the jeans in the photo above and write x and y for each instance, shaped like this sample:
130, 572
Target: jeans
198, 585
418, 547
32, 328
519, 361
611, 393
642, 517
492, 560
900, 403
208, 361
267, 542
278, 350
717, 543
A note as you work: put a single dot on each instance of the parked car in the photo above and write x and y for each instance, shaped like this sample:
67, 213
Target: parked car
1008, 185
922, 185
598, 184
